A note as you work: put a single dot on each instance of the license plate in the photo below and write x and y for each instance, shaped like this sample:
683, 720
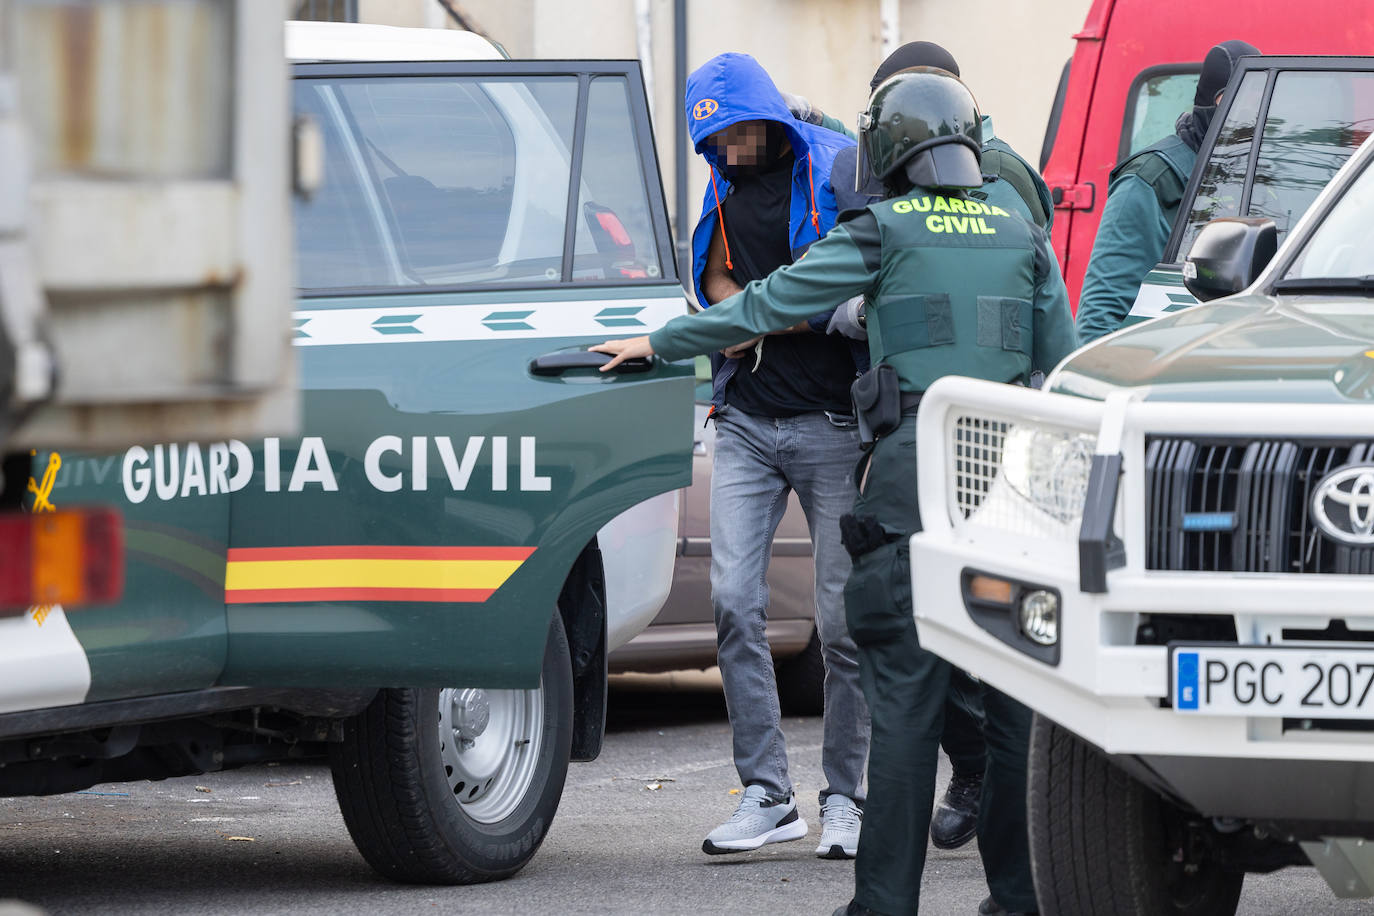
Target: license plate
1298, 682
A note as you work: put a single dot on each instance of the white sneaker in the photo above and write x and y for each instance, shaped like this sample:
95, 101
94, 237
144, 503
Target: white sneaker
758, 820
840, 821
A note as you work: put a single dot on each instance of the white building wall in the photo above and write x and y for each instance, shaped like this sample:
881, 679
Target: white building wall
1010, 52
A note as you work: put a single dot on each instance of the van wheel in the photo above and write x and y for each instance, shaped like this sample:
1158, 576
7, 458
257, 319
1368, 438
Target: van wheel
457, 786
1102, 842
801, 680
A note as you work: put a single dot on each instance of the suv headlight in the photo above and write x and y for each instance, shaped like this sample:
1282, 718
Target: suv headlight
1049, 468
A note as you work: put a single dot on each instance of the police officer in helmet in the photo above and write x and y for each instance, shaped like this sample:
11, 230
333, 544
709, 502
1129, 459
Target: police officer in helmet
953, 285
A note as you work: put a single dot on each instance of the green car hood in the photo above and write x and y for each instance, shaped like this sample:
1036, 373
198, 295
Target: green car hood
1302, 349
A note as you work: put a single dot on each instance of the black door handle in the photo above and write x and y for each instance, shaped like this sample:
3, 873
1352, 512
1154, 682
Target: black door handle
560, 361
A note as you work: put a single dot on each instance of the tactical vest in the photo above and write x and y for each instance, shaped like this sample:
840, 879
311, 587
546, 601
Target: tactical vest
955, 290
1159, 166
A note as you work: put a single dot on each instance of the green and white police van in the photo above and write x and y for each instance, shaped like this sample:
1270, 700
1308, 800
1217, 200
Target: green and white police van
423, 585
1285, 125
1167, 555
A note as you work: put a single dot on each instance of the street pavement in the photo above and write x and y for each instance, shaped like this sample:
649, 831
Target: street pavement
626, 839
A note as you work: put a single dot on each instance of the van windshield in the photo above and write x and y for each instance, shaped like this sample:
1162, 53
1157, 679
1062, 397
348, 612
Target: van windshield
463, 181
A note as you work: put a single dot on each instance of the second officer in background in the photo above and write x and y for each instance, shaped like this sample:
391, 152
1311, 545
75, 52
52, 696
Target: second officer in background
954, 286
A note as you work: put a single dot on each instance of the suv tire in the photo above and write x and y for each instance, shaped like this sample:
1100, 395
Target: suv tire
801, 680
1099, 839
428, 801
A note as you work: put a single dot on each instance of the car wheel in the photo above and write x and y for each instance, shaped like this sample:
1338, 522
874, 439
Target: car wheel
457, 786
1103, 842
801, 680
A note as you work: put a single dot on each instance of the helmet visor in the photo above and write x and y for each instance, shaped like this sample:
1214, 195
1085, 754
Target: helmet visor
863, 172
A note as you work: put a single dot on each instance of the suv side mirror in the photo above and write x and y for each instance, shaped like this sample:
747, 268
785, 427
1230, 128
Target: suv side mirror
1228, 255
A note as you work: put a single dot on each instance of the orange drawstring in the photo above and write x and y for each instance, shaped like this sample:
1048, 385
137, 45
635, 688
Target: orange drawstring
720, 217
811, 180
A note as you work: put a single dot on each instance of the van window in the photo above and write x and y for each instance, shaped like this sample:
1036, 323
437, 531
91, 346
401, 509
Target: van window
1154, 106
615, 238
437, 181
1223, 180
1315, 122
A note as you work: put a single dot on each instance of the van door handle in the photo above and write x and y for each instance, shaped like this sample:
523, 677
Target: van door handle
561, 361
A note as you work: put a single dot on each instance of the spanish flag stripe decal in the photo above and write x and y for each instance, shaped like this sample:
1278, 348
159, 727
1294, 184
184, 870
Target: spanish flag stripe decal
373, 552
258, 575
279, 595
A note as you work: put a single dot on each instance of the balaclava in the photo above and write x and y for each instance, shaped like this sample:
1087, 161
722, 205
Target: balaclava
1217, 68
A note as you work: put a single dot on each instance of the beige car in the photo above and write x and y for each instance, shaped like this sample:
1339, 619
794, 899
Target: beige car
683, 635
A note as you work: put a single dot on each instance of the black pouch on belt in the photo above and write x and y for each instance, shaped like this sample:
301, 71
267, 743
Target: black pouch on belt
877, 398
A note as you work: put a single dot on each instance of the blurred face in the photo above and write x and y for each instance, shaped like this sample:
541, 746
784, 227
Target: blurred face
742, 146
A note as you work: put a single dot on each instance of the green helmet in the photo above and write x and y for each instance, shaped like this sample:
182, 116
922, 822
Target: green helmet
922, 127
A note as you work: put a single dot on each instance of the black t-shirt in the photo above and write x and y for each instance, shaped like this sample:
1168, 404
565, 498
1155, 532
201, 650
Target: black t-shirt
799, 373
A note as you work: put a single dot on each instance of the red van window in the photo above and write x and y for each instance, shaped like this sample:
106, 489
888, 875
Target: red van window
1157, 97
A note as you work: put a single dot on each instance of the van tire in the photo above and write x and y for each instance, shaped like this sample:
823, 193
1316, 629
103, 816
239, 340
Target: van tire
1099, 839
801, 680
397, 790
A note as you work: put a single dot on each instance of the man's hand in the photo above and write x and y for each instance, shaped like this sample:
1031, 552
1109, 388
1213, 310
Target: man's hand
628, 348
739, 349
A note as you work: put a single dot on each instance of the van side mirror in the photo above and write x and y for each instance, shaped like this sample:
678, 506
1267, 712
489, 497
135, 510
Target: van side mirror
1227, 256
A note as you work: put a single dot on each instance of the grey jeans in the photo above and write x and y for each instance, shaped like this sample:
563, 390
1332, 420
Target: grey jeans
758, 460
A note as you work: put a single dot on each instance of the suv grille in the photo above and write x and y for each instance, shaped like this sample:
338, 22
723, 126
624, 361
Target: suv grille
1243, 506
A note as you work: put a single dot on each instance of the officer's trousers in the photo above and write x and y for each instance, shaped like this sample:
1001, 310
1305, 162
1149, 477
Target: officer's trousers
906, 689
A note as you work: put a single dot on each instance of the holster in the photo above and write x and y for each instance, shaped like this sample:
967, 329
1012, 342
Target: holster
877, 399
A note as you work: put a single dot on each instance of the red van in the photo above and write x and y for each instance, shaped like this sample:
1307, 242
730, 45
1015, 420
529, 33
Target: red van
1134, 71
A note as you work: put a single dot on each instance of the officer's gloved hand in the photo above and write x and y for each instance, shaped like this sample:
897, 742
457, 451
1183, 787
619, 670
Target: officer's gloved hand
801, 108
848, 320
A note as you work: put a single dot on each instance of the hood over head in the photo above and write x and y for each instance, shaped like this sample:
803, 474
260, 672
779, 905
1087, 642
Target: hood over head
730, 88
1217, 68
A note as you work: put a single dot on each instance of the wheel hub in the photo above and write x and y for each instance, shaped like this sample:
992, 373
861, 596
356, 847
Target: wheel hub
471, 714
490, 742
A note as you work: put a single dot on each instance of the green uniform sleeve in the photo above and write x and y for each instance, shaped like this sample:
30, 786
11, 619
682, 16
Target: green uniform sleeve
837, 126
841, 265
1055, 336
1130, 241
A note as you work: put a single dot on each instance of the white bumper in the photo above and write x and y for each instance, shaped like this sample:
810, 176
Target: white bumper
1106, 688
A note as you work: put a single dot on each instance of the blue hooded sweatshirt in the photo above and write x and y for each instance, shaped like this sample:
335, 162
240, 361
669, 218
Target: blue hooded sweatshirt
730, 88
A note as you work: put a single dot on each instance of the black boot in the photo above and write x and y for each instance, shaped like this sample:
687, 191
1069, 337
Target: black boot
955, 820
990, 907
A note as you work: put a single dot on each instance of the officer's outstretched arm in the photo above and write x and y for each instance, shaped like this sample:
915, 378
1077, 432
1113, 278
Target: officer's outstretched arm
1130, 241
843, 264
1055, 335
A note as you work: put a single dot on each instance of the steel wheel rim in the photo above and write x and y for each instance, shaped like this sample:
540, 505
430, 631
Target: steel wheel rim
490, 765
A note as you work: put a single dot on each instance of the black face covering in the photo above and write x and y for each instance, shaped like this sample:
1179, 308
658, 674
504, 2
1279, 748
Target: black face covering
915, 54
1217, 68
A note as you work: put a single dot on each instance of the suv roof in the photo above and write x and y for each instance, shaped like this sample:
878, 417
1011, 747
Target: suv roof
321, 41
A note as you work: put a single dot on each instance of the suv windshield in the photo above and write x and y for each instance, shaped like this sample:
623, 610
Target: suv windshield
1313, 122
463, 181
1340, 246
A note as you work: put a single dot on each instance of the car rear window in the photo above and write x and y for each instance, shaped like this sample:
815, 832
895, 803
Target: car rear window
1314, 121
1223, 179
463, 181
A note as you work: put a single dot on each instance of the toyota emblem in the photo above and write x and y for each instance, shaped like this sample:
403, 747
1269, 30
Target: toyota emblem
1343, 505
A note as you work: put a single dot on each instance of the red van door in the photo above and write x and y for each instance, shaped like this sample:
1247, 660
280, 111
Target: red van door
1134, 71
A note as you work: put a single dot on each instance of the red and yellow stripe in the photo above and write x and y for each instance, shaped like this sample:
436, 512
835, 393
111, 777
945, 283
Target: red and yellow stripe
262, 575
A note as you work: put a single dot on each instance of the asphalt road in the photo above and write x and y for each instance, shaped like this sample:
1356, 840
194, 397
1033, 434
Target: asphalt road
270, 840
